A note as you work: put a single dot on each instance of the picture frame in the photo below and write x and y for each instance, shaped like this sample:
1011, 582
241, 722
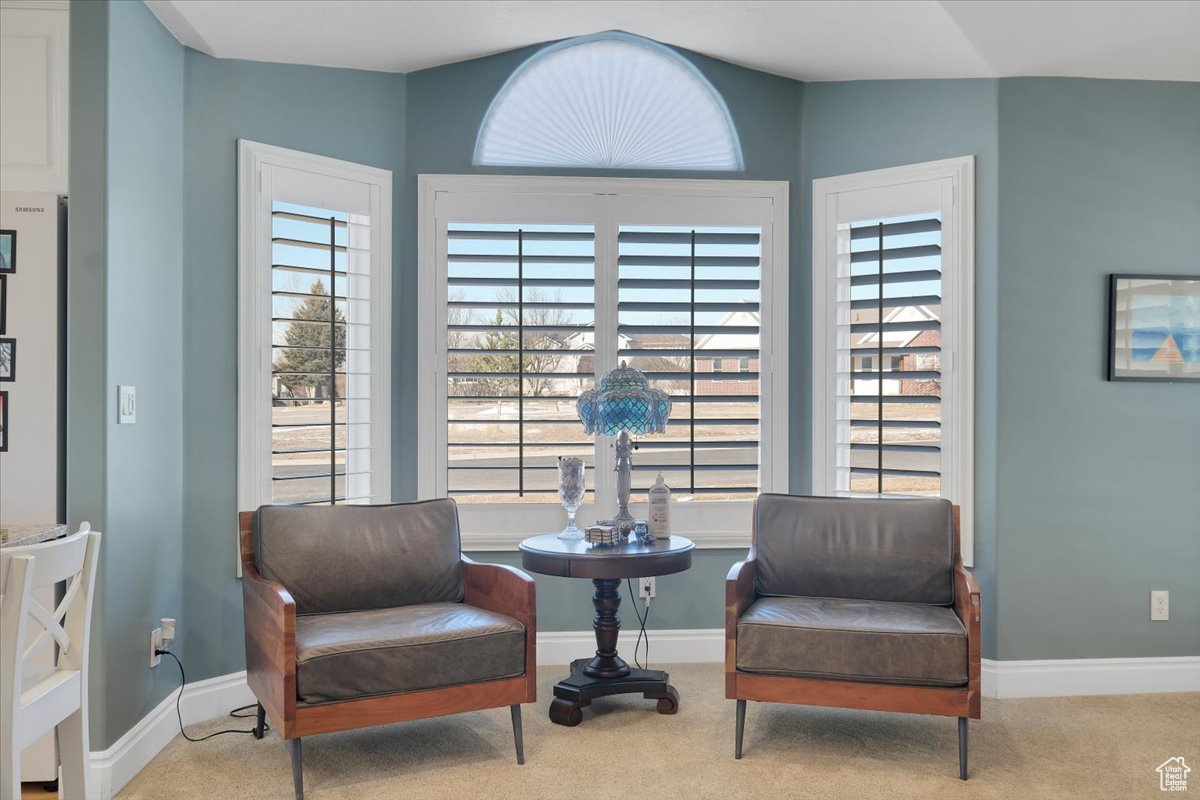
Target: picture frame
8, 359
3, 422
8, 250
3, 304
1154, 328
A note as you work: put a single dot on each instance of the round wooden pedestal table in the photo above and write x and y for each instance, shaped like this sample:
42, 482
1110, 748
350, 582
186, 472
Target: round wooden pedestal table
606, 673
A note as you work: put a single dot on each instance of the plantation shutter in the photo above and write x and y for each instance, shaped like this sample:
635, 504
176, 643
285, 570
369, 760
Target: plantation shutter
889, 357
519, 350
689, 318
321, 356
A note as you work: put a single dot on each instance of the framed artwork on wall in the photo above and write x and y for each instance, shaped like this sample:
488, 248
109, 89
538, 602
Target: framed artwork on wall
8, 359
1154, 328
3, 422
8, 251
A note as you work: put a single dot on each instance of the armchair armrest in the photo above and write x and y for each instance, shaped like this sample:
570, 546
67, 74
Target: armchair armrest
966, 598
500, 588
506, 590
270, 621
967, 607
739, 594
270, 617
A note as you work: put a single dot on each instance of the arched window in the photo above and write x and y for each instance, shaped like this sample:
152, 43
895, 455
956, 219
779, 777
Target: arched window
611, 100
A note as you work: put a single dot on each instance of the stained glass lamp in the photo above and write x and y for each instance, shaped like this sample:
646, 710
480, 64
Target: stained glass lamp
624, 404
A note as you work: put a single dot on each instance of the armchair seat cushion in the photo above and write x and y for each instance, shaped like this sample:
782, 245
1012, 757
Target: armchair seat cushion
354, 654
857, 640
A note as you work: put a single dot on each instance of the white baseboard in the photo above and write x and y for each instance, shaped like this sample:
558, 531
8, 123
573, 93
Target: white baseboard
203, 700
683, 646
1076, 677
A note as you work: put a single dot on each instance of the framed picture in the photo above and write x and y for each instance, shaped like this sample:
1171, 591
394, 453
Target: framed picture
1154, 328
8, 251
8, 359
3, 304
3, 421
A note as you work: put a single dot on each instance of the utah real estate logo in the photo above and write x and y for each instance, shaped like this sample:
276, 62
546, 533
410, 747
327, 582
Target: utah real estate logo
1172, 775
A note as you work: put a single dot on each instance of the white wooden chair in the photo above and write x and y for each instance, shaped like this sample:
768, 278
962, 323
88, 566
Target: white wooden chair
38, 701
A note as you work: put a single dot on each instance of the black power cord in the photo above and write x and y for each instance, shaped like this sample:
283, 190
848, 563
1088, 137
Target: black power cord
641, 622
234, 713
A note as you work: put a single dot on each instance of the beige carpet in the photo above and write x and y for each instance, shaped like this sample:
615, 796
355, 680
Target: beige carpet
1093, 747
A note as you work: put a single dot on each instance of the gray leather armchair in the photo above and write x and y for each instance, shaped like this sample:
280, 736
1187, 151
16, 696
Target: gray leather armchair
854, 603
367, 615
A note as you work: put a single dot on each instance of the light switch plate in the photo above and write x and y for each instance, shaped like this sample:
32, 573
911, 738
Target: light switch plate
126, 405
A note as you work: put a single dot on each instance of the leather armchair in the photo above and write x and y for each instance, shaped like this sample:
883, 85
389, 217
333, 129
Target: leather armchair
367, 615
854, 603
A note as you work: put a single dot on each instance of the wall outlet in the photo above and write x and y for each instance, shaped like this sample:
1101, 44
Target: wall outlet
155, 644
1160, 605
646, 587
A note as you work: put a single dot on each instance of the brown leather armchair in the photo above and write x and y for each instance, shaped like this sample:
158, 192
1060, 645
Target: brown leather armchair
367, 615
854, 603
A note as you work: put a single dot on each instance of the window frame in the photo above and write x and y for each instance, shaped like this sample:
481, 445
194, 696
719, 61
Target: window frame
254, 290
955, 184
667, 200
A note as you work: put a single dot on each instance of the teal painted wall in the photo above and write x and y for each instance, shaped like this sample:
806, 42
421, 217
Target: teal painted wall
863, 125
125, 273
1098, 483
347, 114
144, 541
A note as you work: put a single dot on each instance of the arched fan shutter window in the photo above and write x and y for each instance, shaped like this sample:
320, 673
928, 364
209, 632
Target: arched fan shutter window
610, 101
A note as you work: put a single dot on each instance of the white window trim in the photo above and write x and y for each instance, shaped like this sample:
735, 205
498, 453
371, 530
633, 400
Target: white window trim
254, 281
957, 370
431, 364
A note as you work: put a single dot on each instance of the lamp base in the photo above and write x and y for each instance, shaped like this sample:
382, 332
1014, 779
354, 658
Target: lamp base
623, 521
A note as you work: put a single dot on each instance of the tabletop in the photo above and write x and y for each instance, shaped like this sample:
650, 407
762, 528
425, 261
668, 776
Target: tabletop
20, 535
549, 555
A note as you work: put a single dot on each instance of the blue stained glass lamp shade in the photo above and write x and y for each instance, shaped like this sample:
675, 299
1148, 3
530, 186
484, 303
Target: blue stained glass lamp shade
624, 403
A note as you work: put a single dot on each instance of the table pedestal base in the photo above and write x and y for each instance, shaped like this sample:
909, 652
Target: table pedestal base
577, 691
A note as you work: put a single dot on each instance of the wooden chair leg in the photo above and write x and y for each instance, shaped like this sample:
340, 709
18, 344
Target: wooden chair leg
962, 748
260, 722
739, 729
73, 755
517, 737
297, 768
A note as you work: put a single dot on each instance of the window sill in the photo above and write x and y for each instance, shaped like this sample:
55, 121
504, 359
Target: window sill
508, 542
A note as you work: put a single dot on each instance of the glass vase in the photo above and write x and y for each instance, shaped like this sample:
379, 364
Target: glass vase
570, 491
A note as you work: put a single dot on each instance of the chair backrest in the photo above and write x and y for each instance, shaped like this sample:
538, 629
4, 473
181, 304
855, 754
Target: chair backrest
23, 569
352, 557
897, 549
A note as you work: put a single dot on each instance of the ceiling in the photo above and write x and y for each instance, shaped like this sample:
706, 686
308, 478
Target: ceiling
817, 40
